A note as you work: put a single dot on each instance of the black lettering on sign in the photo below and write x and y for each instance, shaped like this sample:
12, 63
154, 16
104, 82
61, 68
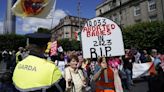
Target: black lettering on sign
97, 22
104, 22
27, 67
95, 43
101, 51
93, 52
103, 43
107, 50
109, 42
89, 23
100, 38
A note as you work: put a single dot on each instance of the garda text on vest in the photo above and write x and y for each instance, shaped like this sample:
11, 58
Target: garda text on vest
27, 67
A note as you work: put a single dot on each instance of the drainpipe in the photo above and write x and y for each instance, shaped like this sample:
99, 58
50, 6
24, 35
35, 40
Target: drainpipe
162, 8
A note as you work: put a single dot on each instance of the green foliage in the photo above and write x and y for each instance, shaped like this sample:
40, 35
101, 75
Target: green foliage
12, 42
68, 44
43, 30
146, 35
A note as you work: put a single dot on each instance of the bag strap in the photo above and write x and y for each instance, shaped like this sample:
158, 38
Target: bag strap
72, 80
79, 75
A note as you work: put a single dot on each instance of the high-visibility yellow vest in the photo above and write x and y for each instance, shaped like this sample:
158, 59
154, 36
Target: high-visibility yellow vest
17, 54
34, 73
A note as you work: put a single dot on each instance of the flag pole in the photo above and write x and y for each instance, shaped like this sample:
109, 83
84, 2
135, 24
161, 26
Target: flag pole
52, 14
78, 11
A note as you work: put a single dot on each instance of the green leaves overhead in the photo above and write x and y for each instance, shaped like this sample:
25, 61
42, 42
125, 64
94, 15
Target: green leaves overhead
145, 35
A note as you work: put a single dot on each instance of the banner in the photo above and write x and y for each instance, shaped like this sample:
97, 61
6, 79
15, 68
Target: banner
48, 47
143, 69
53, 50
33, 8
101, 37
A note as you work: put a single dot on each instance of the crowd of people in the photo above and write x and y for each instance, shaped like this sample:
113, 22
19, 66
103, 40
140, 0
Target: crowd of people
86, 73
101, 74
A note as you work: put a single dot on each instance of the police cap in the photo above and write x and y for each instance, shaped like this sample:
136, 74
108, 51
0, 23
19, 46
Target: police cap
39, 39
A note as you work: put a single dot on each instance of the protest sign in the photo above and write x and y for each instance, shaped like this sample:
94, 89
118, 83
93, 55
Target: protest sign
53, 50
101, 37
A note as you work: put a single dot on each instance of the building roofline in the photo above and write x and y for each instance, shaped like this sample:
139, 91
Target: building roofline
59, 26
102, 4
123, 5
74, 16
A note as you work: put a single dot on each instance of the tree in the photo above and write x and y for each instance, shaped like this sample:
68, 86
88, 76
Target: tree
68, 44
12, 42
43, 30
145, 35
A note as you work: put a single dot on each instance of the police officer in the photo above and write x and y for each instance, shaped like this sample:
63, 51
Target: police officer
35, 73
19, 56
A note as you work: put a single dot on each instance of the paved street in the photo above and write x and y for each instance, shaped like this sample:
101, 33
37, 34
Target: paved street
140, 85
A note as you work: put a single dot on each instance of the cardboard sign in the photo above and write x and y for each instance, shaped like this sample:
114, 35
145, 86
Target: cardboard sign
101, 37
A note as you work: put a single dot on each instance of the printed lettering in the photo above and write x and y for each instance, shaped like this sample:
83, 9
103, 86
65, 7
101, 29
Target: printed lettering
27, 67
108, 49
95, 43
98, 30
93, 52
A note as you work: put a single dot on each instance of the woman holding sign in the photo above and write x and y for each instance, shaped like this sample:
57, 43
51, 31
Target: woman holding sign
106, 77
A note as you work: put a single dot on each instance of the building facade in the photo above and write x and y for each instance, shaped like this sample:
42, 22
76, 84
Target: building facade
128, 12
67, 27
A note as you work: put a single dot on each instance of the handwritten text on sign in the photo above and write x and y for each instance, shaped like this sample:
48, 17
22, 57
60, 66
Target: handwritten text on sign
101, 37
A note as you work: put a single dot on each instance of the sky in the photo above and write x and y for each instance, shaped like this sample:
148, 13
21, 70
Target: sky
62, 9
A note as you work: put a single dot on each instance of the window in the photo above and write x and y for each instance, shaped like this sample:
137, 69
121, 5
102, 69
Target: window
82, 24
137, 21
110, 6
114, 3
137, 10
151, 5
100, 11
153, 18
67, 34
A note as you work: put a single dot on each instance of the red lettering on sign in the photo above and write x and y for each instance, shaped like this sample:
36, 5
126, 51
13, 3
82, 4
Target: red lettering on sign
99, 30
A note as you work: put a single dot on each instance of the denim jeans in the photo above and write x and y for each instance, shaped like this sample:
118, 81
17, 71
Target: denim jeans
129, 78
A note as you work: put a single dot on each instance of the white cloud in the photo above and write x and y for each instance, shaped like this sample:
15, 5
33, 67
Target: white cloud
1, 27
31, 24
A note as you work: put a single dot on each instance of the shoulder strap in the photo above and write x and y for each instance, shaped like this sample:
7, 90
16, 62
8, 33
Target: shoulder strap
72, 81
79, 75
70, 73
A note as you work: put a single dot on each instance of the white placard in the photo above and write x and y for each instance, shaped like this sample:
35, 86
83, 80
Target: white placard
101, 37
